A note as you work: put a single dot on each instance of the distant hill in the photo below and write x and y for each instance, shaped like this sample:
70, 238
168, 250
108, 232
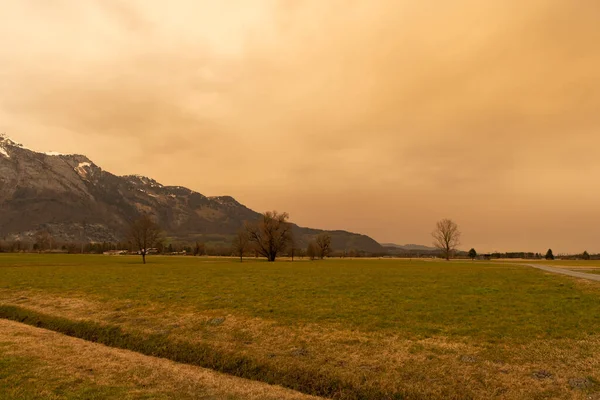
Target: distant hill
414, 247
75, 199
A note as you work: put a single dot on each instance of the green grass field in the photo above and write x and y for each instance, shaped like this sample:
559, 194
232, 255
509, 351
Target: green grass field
557, 263
588, 266
362, 328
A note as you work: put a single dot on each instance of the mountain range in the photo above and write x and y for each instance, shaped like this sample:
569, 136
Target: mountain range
76, 200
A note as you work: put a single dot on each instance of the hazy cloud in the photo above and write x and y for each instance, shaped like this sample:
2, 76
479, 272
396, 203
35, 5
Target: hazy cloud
373, 116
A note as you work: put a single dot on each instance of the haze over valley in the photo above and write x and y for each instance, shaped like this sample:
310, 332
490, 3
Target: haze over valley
373, 117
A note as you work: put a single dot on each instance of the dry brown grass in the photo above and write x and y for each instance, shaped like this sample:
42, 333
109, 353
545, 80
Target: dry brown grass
431, 368
60, 356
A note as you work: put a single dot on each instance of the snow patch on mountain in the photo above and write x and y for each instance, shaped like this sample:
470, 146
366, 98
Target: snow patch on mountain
224, 200
144, 180
5, 142
82, 169
148, 193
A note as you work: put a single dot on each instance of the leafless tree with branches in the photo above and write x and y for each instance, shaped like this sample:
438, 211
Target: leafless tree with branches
144, 234
312, 250
43, 241
323, 243
240, 243
446, 237
270, 235
292, 247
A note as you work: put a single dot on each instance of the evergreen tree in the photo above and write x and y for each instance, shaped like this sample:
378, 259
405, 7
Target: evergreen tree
472, 254
549, 255
585, 255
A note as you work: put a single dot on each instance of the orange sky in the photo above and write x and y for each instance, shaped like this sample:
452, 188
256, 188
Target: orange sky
378, 117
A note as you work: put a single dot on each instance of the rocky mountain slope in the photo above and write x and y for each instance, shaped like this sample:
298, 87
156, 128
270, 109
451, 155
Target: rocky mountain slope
76, 200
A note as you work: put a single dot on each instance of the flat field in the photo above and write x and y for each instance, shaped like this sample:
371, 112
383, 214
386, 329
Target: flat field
588, 266
336, 328
556, 263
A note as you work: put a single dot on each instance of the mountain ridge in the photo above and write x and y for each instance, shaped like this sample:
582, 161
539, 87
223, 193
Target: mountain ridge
75, 199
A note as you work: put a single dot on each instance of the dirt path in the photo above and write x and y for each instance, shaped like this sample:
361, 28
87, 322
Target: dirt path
564, 271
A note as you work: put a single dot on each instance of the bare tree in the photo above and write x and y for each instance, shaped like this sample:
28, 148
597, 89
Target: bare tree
446, 237
43, 241
270, 235
144, 234
83, 226
292, 250
323, 243
312, 250
240, 243
199, 249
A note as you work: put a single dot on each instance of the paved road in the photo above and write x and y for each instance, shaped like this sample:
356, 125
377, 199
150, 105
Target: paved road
583, 275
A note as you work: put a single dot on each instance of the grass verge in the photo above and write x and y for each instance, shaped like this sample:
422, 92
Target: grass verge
38, 364
305, 380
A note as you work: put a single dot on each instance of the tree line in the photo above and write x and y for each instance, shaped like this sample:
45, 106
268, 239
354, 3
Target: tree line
270, 236
447, 236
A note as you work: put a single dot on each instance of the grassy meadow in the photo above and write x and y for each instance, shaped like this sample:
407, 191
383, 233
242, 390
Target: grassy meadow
351, 329
588, 266
557, 263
